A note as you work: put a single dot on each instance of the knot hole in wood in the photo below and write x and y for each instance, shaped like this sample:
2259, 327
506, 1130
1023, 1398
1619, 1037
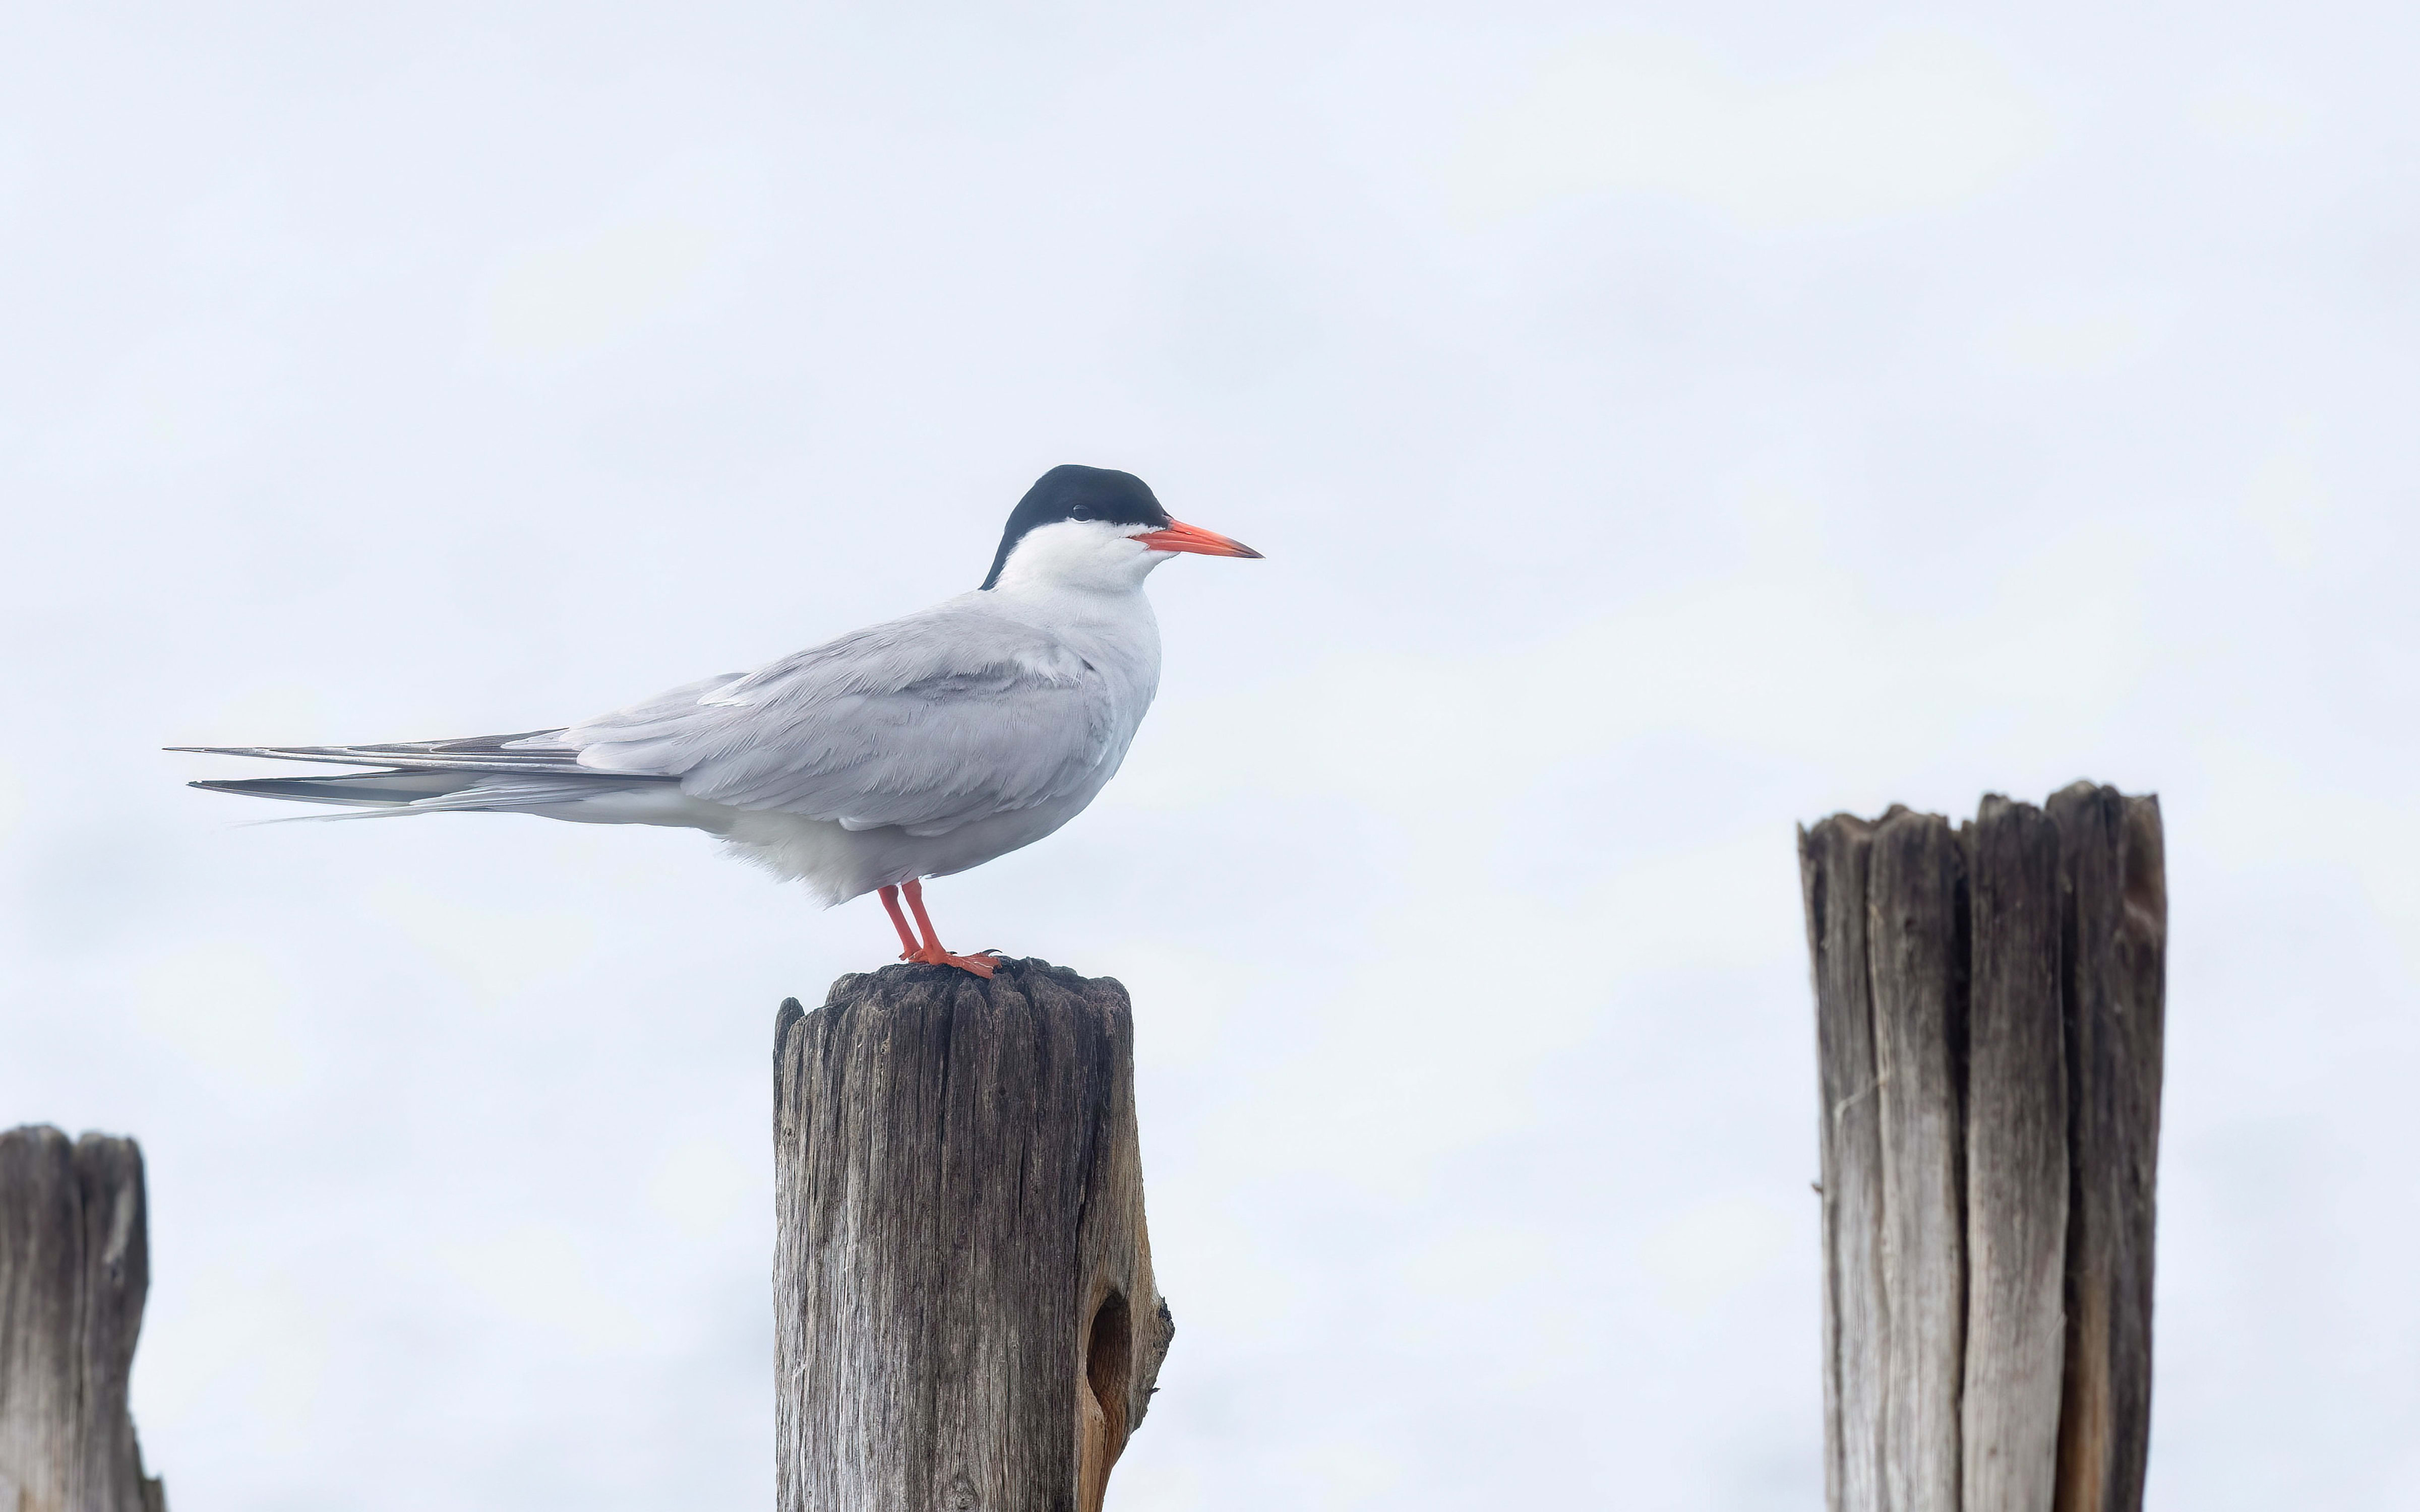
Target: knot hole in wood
1109, 1377
1108, 1363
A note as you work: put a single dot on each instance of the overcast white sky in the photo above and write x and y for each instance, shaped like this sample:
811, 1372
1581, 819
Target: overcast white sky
1664, 422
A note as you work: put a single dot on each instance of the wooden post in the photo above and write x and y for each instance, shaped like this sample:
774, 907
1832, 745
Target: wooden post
1988, 1028
74, 1265
2115, 919
1913, 893
964, 1310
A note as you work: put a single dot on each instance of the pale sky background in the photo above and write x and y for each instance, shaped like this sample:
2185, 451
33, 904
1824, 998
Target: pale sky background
1664, 422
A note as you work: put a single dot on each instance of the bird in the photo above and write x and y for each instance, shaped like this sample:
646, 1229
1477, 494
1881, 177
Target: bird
917, 747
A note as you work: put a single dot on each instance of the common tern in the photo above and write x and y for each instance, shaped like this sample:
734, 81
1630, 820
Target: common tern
909, 749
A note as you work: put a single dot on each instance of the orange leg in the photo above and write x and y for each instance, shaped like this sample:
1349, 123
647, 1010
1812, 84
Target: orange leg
899, 922
930, 953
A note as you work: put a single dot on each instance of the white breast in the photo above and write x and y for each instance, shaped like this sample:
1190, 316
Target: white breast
1113, 638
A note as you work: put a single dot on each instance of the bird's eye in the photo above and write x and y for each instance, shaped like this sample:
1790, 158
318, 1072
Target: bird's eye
1080, 512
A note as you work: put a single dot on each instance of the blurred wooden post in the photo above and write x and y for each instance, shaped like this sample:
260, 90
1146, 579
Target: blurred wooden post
1989, 1009
74, 1265
964, 1310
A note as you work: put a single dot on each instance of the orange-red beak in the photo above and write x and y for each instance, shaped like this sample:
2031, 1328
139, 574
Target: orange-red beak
1180, 536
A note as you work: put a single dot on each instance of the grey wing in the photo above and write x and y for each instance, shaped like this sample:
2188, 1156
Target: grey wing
928, 722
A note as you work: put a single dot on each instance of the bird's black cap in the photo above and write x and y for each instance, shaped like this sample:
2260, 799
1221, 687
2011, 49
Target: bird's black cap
1072, 492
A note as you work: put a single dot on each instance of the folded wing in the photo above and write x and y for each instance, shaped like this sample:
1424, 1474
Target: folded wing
928, 723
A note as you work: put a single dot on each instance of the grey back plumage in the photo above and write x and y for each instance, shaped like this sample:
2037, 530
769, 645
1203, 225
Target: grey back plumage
927, 722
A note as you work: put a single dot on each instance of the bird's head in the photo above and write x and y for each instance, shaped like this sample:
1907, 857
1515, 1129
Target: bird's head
1094, 528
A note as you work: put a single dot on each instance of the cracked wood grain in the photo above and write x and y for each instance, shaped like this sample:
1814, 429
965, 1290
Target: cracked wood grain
965, 1313
75, 1268
1989, 1023
2016, 1163
2116, 923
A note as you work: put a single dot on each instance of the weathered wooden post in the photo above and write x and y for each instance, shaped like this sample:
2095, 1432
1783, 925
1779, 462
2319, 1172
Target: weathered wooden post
74, 1265
1989, 1007
964, 1311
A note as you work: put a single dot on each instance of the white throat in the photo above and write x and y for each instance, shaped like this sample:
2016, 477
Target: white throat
1075, 556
